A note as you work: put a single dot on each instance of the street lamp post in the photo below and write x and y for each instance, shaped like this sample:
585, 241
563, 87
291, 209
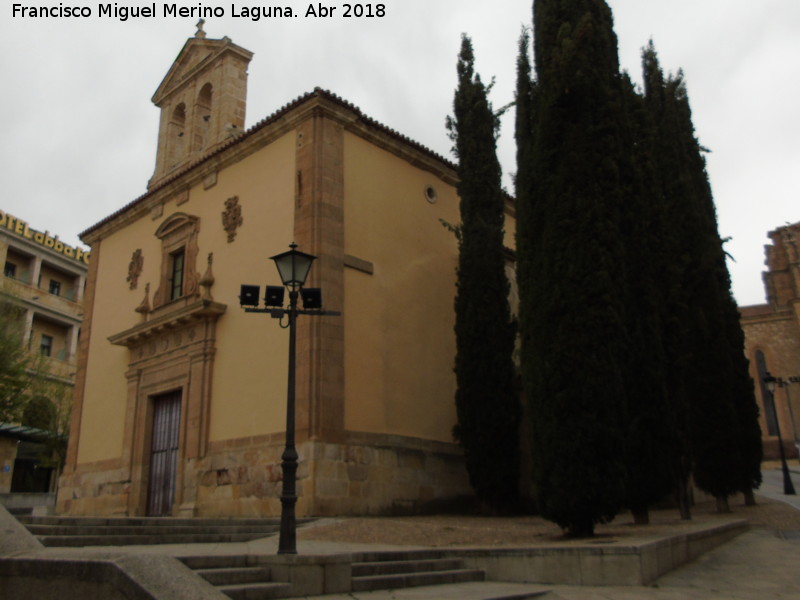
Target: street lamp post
772, 383
293, 267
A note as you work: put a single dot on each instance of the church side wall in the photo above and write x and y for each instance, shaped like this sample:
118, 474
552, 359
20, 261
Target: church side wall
249, 385
399, 340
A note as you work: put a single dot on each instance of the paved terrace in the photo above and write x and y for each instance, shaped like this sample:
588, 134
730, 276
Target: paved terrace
761, 563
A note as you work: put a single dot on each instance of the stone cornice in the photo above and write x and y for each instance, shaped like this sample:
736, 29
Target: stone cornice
196, 311
762, 313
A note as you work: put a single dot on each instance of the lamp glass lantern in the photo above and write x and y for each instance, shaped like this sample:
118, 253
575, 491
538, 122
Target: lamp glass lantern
293, 266
771, 382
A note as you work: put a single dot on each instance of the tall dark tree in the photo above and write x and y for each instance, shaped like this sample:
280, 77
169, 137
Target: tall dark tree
742, 394
526, 89
711, 391
724, 428
650, 436
524, 197
674, 261
487, 401
571, 264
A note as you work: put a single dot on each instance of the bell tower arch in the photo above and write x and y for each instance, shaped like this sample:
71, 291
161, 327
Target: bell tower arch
202, 101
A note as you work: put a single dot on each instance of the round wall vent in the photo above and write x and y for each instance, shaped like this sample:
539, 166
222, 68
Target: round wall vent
430, 194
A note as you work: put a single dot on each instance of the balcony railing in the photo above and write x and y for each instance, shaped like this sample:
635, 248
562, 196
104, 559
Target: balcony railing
64, 302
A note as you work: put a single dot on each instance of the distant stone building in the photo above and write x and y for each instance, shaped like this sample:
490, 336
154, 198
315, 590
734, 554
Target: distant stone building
772, 341
46, 278
180, 401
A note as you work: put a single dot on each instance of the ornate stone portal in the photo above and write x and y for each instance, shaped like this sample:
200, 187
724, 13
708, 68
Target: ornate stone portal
174, 352
170, 351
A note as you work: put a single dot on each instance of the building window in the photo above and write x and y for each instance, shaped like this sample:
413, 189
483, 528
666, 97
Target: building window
46, 345
178, 279
55, 287
10, 270
177, 261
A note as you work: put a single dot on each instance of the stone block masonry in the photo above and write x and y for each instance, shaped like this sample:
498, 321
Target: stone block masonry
369, 474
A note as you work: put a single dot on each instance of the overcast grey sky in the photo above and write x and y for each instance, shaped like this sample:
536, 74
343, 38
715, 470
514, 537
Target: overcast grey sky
79, 130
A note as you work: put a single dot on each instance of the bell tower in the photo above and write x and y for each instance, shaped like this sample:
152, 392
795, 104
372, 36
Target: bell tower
202, 101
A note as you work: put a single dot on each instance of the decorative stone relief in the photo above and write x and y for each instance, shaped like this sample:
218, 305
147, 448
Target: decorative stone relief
162, 343
135, 268
232, 217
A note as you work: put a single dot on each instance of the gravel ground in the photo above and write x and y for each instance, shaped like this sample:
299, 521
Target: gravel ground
454, 530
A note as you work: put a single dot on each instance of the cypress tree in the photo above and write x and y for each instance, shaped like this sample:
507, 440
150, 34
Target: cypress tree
711, 391
673, 261
649, 430
523, 131
571, 264
487, 402
748, 436
740, 388
524, 197
724, 426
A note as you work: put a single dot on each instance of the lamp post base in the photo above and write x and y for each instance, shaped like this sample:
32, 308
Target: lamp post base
287, 542
788, 486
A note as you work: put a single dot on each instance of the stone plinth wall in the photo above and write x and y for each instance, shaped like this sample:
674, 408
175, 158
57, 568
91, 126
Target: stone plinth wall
111, 576
369, 474
619, 563
375, 475
94, 489
240, 478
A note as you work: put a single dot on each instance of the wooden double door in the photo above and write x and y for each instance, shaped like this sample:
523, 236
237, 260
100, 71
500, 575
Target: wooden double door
164, 451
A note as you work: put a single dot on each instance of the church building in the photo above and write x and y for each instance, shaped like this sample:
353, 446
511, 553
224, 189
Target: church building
772, 343
180, 405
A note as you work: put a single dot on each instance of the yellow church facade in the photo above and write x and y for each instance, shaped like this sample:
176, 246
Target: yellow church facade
180, 404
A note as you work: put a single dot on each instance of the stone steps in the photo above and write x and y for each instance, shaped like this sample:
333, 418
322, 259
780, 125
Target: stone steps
240, 577
142, 521
235, 577
394, 570
394, 567
77, 541
257, 591
124, 530
232, 575
120, 531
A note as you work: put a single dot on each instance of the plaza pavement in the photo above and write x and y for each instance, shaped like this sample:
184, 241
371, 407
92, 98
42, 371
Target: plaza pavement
757, 565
